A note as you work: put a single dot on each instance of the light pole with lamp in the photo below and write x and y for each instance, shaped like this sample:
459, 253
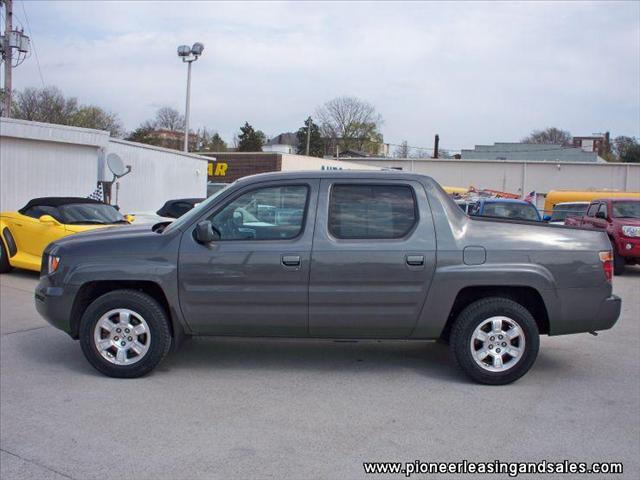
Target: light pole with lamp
189, 55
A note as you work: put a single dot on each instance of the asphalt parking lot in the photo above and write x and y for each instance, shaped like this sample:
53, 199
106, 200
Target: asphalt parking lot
226, 408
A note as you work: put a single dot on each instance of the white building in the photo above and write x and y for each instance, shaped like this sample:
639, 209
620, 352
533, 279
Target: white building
41, 159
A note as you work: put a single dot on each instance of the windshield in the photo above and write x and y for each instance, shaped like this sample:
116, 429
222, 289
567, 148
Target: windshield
194, 212
561, 212
626, 209
90, 214
517, 211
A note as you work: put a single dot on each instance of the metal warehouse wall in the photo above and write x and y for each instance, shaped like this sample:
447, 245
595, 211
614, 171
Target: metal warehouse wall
519, 176
37, 160
157, 175
40, 159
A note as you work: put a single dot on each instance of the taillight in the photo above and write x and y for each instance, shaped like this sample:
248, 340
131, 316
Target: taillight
606, 258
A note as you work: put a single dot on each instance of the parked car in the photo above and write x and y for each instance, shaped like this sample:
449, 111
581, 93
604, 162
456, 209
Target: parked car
563, 196
331, 254
149, 218
464, 204
178, 207
505, 208
566, 209
28, 231
620, 219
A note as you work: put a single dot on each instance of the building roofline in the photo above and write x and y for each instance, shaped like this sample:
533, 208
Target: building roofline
480, 160
160, 149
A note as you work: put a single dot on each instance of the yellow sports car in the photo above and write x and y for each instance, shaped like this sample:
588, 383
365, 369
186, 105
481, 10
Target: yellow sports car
26, 233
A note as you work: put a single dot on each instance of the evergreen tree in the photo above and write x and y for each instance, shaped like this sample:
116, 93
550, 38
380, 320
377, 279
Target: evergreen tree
316, 144
217, 144
249, 139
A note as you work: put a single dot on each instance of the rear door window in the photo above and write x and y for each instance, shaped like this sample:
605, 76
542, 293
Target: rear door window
372, 211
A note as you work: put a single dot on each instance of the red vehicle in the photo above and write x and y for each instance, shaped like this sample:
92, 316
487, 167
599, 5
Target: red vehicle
620, 218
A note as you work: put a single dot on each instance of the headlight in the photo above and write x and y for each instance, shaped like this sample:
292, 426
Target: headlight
52, 264
631, 231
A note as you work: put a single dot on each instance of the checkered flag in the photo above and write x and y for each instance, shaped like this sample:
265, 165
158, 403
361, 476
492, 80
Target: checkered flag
97, 194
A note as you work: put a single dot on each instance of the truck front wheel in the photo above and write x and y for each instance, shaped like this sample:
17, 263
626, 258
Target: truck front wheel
125, 333
495, 340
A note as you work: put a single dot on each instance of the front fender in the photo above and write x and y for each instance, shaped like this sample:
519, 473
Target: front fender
7, 239
128, 272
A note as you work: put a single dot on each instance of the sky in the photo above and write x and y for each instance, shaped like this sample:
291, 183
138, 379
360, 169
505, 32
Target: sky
472, 72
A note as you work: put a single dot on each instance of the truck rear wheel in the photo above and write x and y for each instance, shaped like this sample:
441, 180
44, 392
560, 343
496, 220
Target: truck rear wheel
125, 334
495, 340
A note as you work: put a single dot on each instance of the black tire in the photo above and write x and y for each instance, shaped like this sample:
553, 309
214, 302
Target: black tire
5, 266
475, 315
619, 263
146, 307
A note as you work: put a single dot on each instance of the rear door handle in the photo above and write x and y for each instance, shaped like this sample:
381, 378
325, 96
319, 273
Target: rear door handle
415, 260
291, 260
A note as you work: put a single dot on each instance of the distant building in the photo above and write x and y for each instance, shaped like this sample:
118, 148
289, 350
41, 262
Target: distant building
594, 143
283, 143
170, 139
534, 152
368, 148
279, 148
354, 154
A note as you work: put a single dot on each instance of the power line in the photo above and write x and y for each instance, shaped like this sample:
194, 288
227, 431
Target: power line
33, 43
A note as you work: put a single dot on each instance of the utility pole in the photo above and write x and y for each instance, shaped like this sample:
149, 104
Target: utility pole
308, 135
436, 143
7, 56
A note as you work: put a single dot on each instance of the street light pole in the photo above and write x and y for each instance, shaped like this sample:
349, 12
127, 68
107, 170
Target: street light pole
187, 108
189, 55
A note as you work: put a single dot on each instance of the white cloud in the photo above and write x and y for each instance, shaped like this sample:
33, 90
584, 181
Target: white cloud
472, 72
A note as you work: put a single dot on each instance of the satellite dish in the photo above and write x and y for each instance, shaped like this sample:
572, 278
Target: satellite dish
115, 164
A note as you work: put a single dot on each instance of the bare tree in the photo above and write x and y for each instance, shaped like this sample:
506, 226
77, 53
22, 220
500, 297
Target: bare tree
99, 119
550, 135
49, 105
350, 122
627, 149
402, 150
169, 119
46, 105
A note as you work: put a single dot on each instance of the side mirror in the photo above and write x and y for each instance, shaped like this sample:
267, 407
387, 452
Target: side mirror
205, 233
601, 215
546, 218
48, 220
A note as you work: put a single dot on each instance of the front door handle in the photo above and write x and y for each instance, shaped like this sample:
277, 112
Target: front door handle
291, 260
415, 260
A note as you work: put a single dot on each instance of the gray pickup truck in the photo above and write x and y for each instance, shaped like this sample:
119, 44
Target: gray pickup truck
335, 255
